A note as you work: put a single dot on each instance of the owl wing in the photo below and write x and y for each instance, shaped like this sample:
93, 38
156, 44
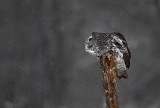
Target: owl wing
126, 58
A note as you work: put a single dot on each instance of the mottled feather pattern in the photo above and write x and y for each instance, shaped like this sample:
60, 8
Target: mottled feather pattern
111, 43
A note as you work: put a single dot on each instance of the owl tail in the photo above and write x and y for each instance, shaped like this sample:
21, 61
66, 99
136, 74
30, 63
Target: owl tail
122, 74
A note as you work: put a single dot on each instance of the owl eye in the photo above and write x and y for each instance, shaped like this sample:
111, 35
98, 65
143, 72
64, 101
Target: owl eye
90, 39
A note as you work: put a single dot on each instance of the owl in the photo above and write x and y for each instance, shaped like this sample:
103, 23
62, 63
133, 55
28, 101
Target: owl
111, 43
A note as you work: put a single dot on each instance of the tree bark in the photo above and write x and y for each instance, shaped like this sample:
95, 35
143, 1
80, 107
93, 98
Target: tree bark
110, 86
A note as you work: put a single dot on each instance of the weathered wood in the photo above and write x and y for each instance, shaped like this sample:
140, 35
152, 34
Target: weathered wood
110, 86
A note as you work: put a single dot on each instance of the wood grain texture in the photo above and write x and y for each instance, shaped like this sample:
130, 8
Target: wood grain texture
110, 86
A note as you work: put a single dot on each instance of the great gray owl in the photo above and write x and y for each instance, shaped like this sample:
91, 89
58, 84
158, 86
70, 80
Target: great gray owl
111, 43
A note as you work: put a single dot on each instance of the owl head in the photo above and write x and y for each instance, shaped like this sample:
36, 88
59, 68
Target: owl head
97, 43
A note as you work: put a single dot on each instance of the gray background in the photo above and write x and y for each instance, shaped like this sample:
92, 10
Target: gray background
43, 63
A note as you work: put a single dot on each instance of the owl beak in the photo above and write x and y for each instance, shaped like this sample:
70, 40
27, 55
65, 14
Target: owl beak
86, 47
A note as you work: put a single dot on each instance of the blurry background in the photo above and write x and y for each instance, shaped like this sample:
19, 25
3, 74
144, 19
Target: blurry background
43, 63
